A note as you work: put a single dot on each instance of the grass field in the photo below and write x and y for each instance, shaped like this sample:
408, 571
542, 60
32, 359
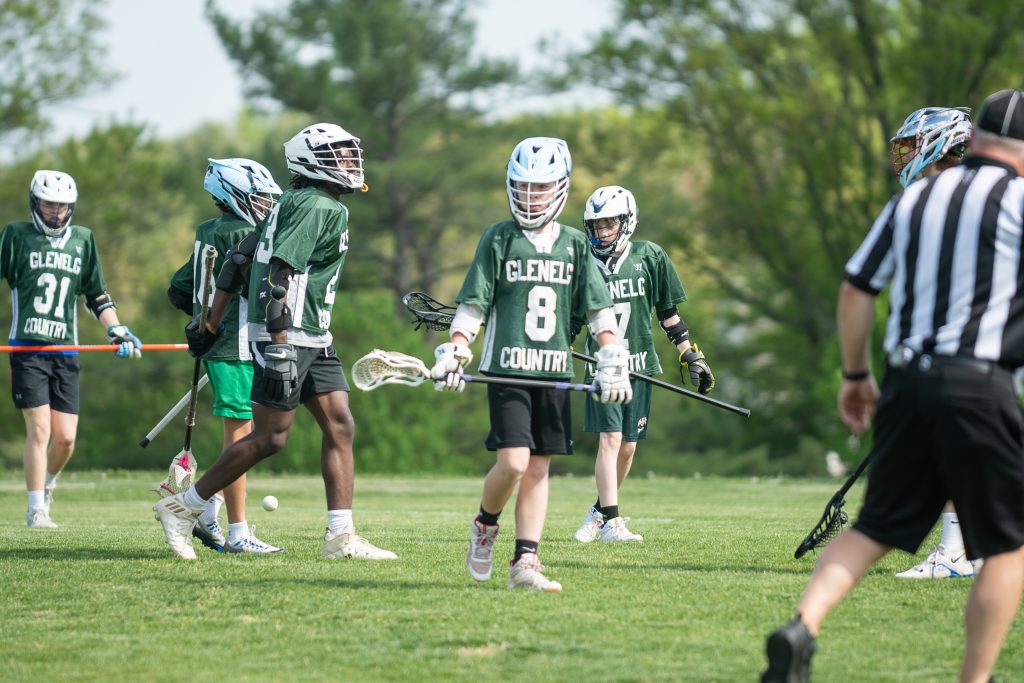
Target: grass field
102, 599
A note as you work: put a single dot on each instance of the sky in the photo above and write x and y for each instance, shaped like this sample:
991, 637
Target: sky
175, 74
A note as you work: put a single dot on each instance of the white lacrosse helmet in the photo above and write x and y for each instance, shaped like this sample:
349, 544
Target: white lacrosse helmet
927, 136
610, 202
243, 185
57, 188
326, 151
537, 161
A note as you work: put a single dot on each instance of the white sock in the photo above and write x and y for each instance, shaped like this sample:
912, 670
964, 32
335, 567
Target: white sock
238, 530
339, 521
952, 539
36, 500
192, 499
212, 510
51, 481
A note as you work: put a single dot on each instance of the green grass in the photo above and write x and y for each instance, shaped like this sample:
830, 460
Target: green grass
102, 599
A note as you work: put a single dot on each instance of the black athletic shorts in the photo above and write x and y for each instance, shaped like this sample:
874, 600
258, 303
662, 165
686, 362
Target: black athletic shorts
538, 418
39, 379
950, 432
320, 372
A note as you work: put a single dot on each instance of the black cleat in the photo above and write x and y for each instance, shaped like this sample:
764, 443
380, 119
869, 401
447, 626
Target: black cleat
789, 650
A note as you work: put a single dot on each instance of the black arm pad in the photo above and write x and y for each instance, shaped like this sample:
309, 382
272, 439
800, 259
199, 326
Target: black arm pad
677, 333
97, 303
232, 276
180, 299
279, 315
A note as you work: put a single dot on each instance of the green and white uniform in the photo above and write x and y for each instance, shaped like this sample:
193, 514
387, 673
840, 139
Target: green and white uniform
308, 230
528, 293
222, 234
641, 281
47, 275
229, 362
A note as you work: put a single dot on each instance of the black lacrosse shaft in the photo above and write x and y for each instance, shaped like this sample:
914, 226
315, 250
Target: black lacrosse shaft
190, 419
439, 308
745, 412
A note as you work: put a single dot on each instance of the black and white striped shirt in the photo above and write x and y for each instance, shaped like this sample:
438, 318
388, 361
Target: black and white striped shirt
949, 247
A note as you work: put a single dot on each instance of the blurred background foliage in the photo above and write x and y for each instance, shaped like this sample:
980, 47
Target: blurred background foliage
754, 135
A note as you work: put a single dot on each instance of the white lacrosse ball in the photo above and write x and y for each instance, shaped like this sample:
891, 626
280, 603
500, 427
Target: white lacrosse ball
270, 503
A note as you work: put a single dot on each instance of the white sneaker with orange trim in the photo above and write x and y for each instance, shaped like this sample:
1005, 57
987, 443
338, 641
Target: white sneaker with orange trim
526, 573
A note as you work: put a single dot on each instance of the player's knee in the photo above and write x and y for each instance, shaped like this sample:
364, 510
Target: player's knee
63, 443
626, 451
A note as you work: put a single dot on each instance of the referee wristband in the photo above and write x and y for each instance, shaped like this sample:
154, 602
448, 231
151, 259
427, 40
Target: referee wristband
856, 376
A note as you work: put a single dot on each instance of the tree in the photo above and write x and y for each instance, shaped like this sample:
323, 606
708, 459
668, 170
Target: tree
399, 74
790, 105
48, 54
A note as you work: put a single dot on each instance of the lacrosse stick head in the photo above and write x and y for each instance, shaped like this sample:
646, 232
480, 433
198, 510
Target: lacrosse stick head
829, 526
378, 368
429, 311
180, 475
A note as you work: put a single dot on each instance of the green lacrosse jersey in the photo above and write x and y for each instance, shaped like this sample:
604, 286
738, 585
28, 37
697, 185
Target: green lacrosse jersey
47, 275
528, 294
640, 281
308, 230
222, 234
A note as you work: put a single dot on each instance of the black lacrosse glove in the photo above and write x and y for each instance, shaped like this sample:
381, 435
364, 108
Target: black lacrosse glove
201, 341
700, 374
279, 371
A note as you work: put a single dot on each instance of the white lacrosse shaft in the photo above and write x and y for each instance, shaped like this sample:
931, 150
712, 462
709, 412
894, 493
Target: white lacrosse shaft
378, 368
173, 412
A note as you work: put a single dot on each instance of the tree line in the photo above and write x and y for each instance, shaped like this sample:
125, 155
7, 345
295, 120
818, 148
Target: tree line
754, 136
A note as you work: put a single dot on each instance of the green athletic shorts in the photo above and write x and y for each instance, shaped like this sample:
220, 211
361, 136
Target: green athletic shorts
231, 381
629, 419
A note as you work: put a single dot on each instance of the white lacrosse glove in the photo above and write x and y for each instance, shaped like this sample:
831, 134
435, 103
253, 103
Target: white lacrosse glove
612, 375
447, 371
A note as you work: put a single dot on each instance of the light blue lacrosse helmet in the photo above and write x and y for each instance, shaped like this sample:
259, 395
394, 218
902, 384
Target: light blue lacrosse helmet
243, 185
537, 161
927, 136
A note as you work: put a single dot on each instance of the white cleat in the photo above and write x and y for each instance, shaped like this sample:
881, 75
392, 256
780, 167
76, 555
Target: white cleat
615, 531
209, 534
351, 545
178, 520
39, 518
251, 544
526, 573
590, 529
480, 558
941, 564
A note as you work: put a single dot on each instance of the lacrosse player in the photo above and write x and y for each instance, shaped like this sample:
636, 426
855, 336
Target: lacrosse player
244, 191
640, 279
295, 259
930, 141
48, 263
529, 276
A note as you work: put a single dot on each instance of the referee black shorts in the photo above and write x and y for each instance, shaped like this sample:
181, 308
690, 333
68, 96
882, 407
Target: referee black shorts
951, 432
535, 417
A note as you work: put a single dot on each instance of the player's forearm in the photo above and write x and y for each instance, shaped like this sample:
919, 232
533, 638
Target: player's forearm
855, 319
215, 315
108, 318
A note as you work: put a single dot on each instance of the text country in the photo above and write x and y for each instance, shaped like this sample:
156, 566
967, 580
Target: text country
46, 328
535, 360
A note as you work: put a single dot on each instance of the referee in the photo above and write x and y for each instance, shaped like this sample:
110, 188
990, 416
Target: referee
949, 424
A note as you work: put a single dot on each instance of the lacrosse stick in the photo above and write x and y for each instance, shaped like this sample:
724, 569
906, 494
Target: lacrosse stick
90, 347
172, 413
183, 467
437, 316
834, 518
378, 368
